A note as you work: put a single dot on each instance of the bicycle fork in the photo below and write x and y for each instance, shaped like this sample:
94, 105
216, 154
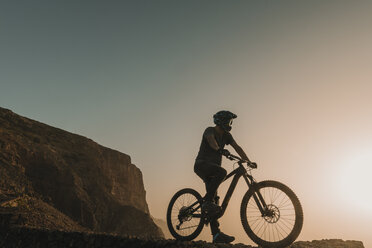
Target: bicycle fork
257, 196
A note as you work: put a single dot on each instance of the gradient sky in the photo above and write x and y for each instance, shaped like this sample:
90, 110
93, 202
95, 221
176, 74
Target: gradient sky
145, 78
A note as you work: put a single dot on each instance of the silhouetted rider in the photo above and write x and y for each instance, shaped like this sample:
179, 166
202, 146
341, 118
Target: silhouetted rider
208, 166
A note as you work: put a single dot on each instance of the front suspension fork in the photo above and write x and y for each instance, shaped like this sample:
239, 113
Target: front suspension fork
257, 196
261, 204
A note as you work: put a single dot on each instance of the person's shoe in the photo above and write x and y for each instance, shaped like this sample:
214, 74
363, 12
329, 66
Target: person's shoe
211, 209
222, 238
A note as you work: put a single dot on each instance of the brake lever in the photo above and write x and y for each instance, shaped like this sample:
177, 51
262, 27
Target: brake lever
253, 165
250, 164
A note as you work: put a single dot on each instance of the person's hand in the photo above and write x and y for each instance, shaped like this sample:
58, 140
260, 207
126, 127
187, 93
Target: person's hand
224, 152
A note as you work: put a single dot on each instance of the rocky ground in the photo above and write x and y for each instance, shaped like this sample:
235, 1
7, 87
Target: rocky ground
31, 212
23, 237
28, 237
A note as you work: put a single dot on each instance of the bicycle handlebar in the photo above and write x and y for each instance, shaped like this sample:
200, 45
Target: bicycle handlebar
249, 163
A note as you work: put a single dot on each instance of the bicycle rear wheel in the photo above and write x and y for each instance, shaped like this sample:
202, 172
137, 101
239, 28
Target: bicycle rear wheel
184, 216
282, 220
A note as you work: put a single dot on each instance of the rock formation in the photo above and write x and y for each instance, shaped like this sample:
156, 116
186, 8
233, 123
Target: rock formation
94, 186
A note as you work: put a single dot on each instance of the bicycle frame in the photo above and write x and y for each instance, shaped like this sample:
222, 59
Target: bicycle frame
237, 173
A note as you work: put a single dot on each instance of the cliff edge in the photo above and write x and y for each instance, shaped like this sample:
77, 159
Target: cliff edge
71, 177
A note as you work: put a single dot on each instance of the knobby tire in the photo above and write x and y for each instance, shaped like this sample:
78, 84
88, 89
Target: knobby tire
286, 239
175, 205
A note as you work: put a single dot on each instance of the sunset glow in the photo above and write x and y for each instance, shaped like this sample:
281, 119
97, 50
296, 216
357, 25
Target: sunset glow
146, 77
352, 182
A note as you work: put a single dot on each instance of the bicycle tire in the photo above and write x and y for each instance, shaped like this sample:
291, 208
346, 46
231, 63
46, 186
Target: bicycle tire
171, 220
276, 216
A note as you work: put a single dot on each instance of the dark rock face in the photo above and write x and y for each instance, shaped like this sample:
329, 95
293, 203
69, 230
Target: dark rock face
95, 186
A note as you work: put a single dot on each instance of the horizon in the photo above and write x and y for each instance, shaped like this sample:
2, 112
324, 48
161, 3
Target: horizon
145, 78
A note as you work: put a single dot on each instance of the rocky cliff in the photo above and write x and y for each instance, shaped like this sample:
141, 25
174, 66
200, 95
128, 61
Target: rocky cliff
96, 187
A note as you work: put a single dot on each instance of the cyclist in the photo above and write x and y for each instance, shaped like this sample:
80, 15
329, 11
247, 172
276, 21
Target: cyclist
208, 167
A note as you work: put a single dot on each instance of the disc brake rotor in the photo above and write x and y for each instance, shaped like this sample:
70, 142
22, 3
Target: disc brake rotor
272, 214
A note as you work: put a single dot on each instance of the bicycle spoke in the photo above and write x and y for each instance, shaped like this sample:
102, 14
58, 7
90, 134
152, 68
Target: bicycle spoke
182, 216
280, 226
272, 228
286, 225
282, 203
284, 200
279, 232
280, 220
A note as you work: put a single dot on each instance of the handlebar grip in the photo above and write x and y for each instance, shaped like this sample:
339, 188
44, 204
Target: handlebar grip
231, 156
253, 165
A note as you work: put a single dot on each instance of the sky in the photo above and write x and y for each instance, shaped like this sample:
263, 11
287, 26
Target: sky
146, 77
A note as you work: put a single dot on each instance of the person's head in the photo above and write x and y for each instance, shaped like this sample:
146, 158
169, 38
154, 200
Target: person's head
224, 119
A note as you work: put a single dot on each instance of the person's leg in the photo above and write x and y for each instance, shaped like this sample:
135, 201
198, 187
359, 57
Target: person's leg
219, 175
212, 175
214, 227
214, 222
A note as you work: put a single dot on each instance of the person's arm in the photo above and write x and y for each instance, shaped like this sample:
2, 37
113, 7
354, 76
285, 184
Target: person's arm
212, 140
239, 150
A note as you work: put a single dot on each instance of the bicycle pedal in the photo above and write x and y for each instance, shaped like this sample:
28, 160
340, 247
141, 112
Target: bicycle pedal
206, 219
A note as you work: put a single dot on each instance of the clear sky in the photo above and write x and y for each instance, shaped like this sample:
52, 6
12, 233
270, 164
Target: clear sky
145, 78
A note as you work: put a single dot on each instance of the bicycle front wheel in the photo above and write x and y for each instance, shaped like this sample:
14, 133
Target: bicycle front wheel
279, 224
184, 217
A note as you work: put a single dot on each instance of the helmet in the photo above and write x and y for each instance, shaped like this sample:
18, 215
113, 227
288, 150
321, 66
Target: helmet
224, 119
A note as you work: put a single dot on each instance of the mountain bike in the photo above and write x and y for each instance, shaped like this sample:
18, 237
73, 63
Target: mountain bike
270, 212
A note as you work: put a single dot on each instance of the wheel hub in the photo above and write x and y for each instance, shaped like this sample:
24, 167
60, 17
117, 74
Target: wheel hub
184, 214
272, 214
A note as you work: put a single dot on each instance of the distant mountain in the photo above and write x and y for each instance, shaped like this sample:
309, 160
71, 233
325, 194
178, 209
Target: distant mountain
164, 227
55, 179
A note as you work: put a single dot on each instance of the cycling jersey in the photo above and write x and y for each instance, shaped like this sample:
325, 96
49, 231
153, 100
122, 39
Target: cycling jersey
206, 152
